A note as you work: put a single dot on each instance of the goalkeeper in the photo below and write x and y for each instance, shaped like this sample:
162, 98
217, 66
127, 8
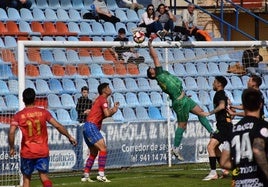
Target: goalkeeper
181, 103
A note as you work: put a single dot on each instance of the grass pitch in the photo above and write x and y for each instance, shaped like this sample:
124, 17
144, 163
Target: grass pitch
189, 175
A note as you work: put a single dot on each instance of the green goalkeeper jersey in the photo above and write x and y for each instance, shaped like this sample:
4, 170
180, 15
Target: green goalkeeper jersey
170, 84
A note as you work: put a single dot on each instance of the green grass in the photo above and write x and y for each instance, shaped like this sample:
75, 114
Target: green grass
189, 175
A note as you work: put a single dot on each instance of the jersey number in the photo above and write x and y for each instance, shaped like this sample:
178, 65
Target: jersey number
37, 125
242, 147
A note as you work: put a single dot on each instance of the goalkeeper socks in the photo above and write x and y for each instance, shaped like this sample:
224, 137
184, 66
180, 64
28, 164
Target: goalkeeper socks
89, 163
205, 123
178, 136
47, 183
102, 161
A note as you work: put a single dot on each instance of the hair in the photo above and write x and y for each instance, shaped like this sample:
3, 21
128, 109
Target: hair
102, 86
158, 8
84, 88
251, 99
257, 79
222, 80
149, 75
150, 5
121, 31
28, 96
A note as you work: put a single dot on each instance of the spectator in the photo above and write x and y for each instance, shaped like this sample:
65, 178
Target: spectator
18, 4
251, 59
156, 3
104, 13
83, 105
132, 4
125, 53
166, 18
151, 22
189, 25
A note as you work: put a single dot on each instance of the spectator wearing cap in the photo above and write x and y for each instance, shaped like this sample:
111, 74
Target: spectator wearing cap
83, 105
127, 54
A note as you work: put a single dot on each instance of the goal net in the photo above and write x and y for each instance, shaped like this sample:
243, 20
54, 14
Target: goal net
141, 133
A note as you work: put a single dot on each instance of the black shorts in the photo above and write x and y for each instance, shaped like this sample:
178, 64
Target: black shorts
223, 131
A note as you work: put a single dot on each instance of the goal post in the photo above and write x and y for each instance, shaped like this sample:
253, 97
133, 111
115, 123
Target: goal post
131, 142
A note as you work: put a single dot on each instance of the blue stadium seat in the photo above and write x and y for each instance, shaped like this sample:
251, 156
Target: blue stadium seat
230, 95
54, 4
87, 3
3, 105
86, 29
237, 82
204, 97
118, 116
144, 99
154, 85
72, 56
237, 97
179, 55
223, 67
46, 55
38, 15
51, 15
164, 112
131, 84
10, 42
119, 85
154, 113
119, 97
48, 38
45, 71
129, 114
191, 69
13, 86
132, 16
193, 95
143, 84
73, 114
179, 70
190, 83
12, 102
59, 56
60, 38
79, 83
107, 80
74, 27
212, 55
3, 88
119, 25
131, 99
97, 29
213, 69
13, 14
78, 4
63, 117
67, 101
3, 15
2, 45
63, 15
202, 83
121, 15
245, 79
109, 29
96, 70
108, 38
147, 58
55, 86
143, 69
156, 99
201, 55
54, 101
202, 69
42, 4
142, 113
189, 55
25, 27
140, 12
130, 26
68, 86
42, 87
112, 5
6, 72
93, 84
66, 4
30, 84
75, 15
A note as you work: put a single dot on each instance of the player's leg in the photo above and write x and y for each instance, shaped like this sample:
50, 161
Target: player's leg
42, 166
27, 168
197, 110
213, 152
26, 180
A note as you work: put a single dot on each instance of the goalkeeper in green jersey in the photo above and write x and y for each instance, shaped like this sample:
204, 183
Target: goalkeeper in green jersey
181, 104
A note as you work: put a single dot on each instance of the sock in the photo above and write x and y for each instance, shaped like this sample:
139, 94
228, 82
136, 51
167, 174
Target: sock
178, 136
102, 162
89, 163
212, 163
205, 123
47, 183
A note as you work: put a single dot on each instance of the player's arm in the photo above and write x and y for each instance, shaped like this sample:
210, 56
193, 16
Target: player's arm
11, 139
260, 155
220, 107
62, 130
153, 54
225, 160
108, 112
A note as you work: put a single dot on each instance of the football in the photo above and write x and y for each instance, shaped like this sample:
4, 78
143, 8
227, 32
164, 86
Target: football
139, 37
